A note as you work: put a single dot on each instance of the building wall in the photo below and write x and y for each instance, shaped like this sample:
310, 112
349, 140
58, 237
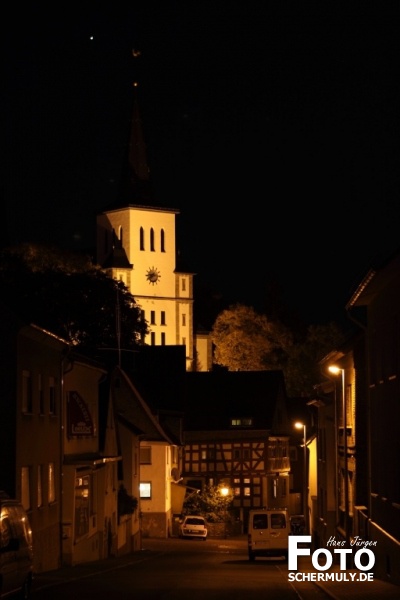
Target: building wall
38, 441
156, 512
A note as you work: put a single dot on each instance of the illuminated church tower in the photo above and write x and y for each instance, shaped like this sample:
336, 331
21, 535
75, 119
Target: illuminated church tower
136, 243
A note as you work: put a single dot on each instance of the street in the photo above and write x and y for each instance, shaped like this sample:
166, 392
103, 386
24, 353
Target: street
181, 569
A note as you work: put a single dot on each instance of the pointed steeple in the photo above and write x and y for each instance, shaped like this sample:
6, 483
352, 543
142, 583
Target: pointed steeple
135, 185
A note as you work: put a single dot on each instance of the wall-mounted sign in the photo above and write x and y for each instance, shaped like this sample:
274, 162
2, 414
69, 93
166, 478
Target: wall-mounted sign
80, 421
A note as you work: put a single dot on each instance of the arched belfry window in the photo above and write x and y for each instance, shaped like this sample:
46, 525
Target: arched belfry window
152, 239
162, 240
141, 234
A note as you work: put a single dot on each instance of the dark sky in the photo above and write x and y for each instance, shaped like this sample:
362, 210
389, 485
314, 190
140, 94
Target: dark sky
273, 127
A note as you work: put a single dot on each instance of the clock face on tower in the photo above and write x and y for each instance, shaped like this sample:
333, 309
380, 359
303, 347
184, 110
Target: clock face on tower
153, 275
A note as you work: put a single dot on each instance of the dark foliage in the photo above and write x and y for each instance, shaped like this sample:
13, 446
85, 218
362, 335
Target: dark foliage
70, 297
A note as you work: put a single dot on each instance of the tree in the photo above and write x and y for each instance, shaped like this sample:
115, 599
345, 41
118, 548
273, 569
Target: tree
245, 340
209, 503
66, 294
302, 371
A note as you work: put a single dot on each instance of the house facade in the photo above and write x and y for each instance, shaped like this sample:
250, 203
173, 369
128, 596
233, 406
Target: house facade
374, 307
30, 430
90, 464
236, 434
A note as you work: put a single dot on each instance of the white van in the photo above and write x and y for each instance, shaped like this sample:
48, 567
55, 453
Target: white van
16, 558
268, 532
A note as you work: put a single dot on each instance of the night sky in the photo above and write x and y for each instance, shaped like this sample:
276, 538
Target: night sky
273, 127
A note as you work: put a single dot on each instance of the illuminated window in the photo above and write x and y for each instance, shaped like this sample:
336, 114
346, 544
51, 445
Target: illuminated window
242, 422
145, 489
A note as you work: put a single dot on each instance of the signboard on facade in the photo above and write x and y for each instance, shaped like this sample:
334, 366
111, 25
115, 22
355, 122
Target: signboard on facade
80, 422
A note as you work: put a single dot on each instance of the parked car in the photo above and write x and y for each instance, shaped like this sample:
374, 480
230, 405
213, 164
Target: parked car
16, 558
268, 533
193, 526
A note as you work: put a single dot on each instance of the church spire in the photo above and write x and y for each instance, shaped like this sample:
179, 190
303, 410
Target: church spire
135, 180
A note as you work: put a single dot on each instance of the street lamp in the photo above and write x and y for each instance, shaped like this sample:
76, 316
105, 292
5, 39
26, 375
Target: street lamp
302, 426
224, 491
336, 370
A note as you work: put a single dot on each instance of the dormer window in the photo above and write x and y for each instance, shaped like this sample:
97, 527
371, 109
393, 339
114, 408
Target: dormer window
242, 422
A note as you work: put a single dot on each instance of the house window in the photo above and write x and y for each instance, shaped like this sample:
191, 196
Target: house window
153, 317
162, 240
145, 490
26, 392
163, 339
25, 487
40, 486
152, 240
153, 338
145, 455
163, 317
51, 484
141, 237
41, 394
52, 396
243, 422
82, 505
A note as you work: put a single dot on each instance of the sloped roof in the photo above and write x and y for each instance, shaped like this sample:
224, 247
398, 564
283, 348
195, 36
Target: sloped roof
133, 411
214, 398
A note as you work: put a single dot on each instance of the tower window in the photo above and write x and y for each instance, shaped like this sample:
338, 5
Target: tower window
152, 240
162, 235
141, 235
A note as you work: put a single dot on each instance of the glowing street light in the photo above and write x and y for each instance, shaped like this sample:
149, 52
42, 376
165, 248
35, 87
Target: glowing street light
302, 426
336, 370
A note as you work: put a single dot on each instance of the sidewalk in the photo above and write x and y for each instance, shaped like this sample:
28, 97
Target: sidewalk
337, 590
353, 589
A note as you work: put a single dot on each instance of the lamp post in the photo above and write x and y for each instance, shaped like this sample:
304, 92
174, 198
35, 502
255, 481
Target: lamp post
224, 491
302, 426
336, 370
